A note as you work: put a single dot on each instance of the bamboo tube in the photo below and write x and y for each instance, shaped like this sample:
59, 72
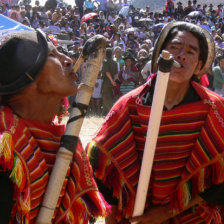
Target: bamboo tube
151, 138
96, 48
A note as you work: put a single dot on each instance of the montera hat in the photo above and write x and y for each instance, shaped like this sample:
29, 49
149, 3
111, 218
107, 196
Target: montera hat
22, 57
207, 63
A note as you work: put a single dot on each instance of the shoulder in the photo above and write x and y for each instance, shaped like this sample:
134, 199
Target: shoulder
217, 71
128, 98
134, 68
120, 111
216, 68
208, 95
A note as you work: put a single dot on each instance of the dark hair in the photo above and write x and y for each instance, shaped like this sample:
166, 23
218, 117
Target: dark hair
196, 32
109, 52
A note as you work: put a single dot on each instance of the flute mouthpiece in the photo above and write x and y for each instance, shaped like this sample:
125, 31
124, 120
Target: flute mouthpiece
176, 64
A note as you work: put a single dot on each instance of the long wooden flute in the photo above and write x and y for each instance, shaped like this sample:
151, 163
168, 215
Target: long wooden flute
93, 52
152, 132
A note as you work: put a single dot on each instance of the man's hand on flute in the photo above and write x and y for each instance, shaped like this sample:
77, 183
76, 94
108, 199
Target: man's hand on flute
160, 214
155, 215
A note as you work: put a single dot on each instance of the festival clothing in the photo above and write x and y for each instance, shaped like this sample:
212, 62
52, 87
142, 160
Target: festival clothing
120, 63
188, 157
128, 78
28, 152
97, 89
146, 71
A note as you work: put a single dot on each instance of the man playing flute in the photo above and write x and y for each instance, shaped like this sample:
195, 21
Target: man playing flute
34, 78
188, 168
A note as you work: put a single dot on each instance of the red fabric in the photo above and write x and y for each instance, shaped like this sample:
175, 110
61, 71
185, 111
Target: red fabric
204, 80
193, 167
36, 145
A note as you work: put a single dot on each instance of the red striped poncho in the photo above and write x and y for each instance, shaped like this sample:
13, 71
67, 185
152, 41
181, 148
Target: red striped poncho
188, 158
28, 151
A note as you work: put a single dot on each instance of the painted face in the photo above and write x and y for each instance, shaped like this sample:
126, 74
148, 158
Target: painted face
185, 49
57, 77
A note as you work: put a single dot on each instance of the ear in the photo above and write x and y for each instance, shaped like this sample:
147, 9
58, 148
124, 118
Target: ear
198, 67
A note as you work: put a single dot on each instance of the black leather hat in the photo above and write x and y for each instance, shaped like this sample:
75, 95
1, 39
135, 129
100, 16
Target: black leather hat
22, 57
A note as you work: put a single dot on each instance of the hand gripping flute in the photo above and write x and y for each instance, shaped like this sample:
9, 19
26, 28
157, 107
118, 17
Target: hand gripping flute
93, 52
165, 62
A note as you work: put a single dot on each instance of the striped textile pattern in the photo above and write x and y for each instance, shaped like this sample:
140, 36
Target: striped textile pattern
125, 88
188, 157
35, 149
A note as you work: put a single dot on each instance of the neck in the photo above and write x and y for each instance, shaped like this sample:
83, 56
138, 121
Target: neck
40, 108
175, 94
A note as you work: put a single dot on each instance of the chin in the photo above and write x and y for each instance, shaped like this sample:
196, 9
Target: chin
71, 93
177, 80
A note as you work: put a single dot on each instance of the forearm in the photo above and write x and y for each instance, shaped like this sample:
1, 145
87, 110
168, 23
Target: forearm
195, 201
160, 214
111, 218
109, 76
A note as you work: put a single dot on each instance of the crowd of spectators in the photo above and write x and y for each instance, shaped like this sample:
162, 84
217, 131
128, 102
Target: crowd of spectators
131, 33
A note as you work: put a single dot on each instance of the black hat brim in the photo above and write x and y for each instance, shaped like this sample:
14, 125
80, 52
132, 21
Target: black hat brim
22, 58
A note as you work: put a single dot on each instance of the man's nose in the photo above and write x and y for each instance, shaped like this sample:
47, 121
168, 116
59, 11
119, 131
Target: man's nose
67, 62
181, 54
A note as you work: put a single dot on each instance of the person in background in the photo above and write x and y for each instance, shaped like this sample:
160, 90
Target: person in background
5, 9
218, 75
189, 8
96, 101
117, 56
76, 45
57, 15
23, 17
89, 6
109, 71
90, 29
169, 7
43, 15
129, 75
66, 28
35, 19
219, 42
52, 28
179, 11
13, 14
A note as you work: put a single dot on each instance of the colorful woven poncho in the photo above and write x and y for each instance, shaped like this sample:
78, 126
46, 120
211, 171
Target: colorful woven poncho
28, 151
188, 157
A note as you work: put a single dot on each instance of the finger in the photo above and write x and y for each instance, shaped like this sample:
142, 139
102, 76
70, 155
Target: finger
136, 219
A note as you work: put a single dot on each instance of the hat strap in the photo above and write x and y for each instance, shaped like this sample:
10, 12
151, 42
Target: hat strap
29, 76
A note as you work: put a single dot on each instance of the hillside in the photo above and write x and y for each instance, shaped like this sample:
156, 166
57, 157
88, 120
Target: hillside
158, 5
